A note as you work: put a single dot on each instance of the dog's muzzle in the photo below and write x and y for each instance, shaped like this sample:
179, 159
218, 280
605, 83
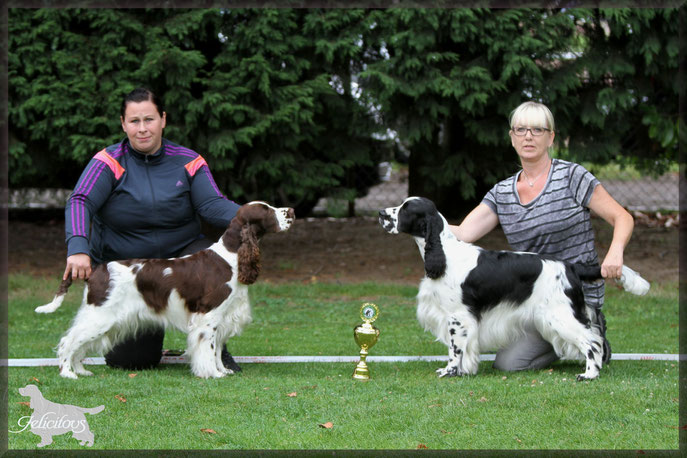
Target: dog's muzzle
387, 222
285, 217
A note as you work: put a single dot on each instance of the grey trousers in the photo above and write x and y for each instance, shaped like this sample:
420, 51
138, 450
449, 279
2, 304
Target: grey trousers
533, 352
530, 352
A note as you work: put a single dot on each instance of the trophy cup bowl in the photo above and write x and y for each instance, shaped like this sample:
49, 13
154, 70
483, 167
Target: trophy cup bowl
366, 336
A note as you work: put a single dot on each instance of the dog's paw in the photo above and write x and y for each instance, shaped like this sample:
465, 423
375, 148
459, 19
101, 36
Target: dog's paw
225, 371
68, 374
84, 372
214, 374
583, 377
448, 371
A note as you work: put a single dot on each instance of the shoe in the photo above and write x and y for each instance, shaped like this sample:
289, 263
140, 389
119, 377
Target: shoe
607, 352
172, 352
228, 361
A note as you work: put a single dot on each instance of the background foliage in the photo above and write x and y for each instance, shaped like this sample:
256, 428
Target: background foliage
249, 89
291, 104
605, 74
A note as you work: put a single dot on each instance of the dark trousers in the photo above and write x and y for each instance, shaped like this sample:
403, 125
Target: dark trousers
140, 351
144, 349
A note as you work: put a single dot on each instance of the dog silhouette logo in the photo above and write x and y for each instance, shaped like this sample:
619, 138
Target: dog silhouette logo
52, 419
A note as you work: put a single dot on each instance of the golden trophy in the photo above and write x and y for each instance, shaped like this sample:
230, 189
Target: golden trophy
365, 336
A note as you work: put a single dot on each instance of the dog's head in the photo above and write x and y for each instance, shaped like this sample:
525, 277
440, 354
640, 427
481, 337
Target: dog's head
252, 221
418, 216
264, 218
412, 217
29, 390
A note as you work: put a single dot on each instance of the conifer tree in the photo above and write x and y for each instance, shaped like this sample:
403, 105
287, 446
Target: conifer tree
263, 94
452, 76
287, 104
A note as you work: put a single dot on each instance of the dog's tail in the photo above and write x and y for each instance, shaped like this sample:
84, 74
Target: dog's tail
633, 283
630, 280
59, 297
92, 410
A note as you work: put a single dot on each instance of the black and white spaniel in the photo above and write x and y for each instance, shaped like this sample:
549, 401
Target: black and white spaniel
204, 294
474, 299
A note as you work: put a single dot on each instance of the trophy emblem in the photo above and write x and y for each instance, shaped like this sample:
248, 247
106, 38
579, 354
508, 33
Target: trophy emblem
366, 335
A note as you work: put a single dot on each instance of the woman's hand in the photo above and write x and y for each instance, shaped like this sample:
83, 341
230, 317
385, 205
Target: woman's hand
79, 265
612, 266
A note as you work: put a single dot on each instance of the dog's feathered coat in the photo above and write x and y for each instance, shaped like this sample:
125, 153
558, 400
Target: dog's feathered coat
474, 299
204, 295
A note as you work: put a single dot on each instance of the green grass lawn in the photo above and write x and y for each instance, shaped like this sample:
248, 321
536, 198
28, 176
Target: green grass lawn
633, 405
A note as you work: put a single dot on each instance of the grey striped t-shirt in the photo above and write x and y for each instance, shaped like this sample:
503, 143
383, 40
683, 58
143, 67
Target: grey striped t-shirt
556, 223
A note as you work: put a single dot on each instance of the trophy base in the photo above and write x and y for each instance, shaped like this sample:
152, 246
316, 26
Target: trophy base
361, 372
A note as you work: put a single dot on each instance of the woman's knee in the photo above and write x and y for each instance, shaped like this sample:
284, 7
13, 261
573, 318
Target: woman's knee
142, 351
529, 353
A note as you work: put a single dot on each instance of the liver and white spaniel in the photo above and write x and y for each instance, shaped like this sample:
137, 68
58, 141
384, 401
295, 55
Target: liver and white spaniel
474, 299
204, 295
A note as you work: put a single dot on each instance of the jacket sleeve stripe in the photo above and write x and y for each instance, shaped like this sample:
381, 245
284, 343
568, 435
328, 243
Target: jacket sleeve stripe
93, 171
180, 151
198, 163
78, 210
212, 182
77, 219
118, 152
117, 169
95, 179
193, 166
92, 176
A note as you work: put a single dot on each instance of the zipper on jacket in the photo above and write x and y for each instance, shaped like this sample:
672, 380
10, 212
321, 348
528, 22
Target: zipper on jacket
154, 209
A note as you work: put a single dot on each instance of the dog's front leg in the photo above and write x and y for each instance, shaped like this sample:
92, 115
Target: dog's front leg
217, 347
202, 349
457, 339
594, 350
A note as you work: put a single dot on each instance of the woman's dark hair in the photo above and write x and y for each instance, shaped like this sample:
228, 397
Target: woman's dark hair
141, 94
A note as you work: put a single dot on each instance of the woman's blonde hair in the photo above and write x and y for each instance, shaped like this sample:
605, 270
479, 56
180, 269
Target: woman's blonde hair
532, 114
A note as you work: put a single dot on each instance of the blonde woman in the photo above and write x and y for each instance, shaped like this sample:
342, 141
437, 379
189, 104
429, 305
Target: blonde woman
545, 208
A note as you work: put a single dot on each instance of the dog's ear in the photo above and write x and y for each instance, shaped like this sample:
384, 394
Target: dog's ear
248, 256
435, 259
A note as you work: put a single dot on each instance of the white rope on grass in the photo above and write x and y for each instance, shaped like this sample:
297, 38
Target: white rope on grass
37, 362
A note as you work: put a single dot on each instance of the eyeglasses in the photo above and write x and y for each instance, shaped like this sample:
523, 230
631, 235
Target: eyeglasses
536, 131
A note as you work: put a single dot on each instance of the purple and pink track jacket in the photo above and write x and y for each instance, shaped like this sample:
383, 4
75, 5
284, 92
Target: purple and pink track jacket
130, 205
